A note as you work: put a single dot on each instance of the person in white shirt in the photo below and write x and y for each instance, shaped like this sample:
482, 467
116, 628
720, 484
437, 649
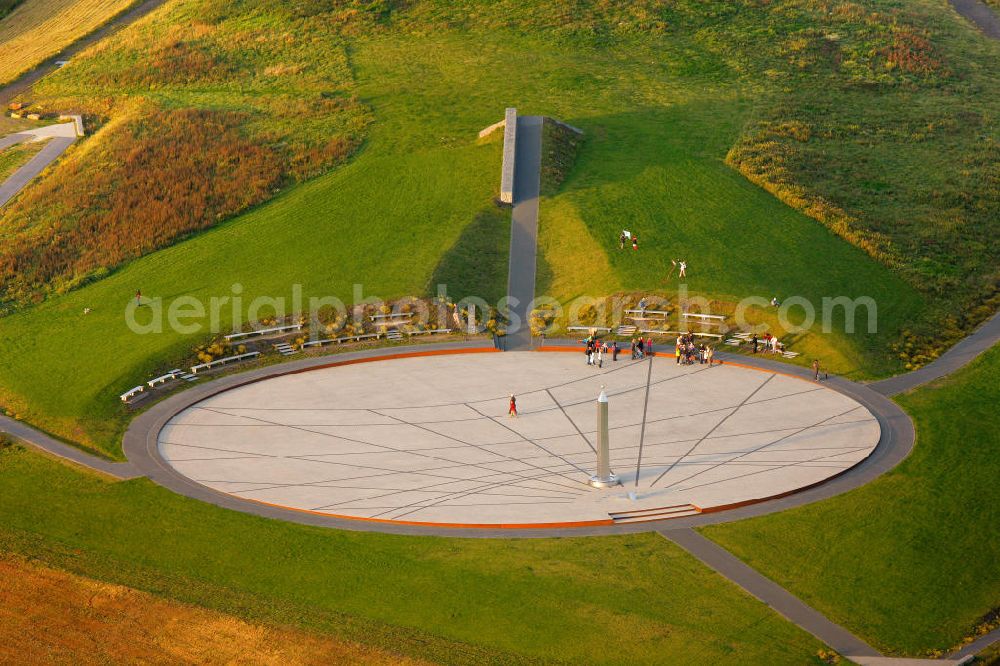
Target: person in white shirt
683, 267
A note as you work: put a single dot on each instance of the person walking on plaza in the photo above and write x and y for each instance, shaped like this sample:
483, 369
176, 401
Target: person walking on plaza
614, 351
709, 355
600, 356
640, 352
632, 349
649, 346
816, 370
756, 343
512, 410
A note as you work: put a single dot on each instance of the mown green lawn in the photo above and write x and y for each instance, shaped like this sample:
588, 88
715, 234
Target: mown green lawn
405, 212
908, 562
636, 599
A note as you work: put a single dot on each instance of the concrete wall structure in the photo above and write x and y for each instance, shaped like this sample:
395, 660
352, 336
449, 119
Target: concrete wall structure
509, 151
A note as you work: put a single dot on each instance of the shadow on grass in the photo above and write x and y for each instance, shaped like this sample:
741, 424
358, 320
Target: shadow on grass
476, 265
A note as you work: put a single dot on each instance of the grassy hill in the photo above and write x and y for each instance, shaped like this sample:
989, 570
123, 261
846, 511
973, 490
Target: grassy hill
637, 599
909, 561
34, 30
17, 156
675, 101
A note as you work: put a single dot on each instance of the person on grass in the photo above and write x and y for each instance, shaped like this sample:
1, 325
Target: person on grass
512, 410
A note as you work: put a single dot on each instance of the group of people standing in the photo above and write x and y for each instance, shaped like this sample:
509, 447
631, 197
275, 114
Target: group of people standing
597, 351
688, 353
768, 343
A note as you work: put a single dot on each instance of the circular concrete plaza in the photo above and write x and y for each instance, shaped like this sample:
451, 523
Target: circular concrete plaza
427, 439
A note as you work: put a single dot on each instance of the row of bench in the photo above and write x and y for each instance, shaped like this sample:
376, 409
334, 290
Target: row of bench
177, 373
686, 315
284, 349
396, 335
629, 330
264, 331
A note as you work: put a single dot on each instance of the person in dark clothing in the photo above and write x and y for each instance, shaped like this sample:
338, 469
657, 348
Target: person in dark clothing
614, 351
756, 343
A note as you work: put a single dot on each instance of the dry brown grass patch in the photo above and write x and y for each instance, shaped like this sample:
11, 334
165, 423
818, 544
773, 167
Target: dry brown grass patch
54, 617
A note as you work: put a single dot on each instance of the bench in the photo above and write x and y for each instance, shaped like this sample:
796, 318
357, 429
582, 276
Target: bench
704, 316
703, 335
733, 342
163, 379
589, 328
641, 314
128, 395
391, 315
223, 361
337, 341
265, 331
429, 332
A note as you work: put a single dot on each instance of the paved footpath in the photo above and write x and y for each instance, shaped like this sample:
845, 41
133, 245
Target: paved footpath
963, 353
524, 228
769, 592
41, 441
59, 137
980, 14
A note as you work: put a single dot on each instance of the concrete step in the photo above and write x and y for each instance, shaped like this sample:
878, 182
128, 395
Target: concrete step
659, 513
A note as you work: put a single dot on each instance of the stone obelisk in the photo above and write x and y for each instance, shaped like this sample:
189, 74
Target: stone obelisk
604, 477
